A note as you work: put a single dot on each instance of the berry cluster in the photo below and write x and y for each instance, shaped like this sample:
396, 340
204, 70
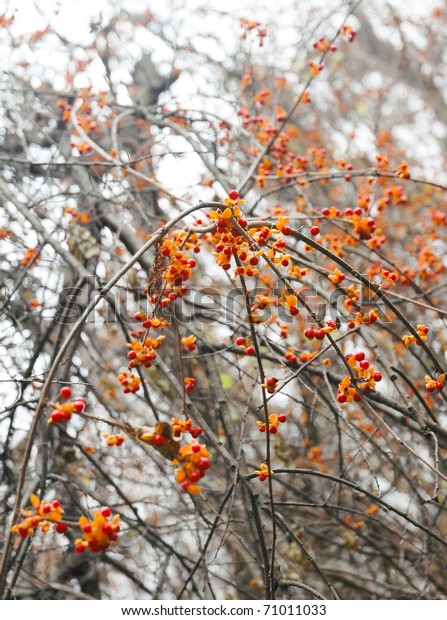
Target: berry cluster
337, 276
245, 344
143, 353
274, 422
99, 533
185, 426
189, 342
311, 333
367, 378
42, 516
192, 463
271, 383
434, 384
32, 255
129, 381
63, 412
422, 331
190, 383
263, 472
323, 45
114, 440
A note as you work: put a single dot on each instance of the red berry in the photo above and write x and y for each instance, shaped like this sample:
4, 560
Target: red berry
364, 365
57, 416
351, 325
273, 430
79, 548
377, 376
315, 230
192, 263
240, 341
271, 382
107, 528
195, 432
439, 385
165, 252
106, 512
319, 334
65, 392
189, 387
360, 356
282, 418
233, 194
79, 405
430, 388
286, 231
357, 397
254, 260
195, 447
87, 528
159, 440
325, 211
250, 351
194, 476
342, 398
56, 504
261, 428
262, 477
204, 463
347, 177
309, 333
293, 310
61, 528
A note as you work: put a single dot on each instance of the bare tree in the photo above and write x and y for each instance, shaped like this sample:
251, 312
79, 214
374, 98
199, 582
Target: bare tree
222, 291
